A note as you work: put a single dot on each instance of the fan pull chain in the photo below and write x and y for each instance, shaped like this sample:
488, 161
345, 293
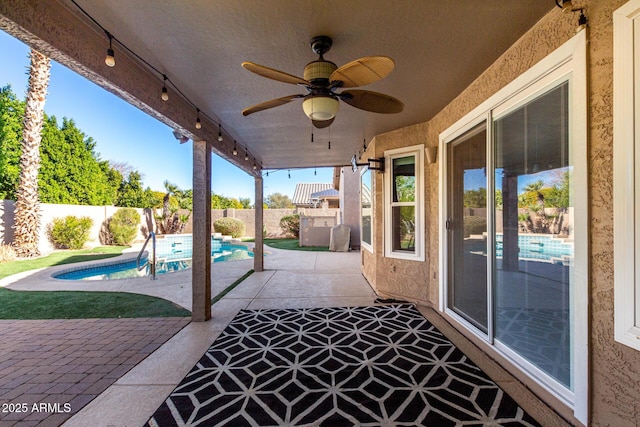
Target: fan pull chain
329, 137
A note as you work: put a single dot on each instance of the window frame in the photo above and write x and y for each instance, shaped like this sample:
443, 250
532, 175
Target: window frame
389, 156
363, 244
626, 178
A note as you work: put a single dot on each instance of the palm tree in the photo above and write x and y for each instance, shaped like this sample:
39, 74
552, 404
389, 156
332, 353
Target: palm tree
27, 215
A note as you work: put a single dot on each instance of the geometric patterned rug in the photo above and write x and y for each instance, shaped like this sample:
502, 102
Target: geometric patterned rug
369, 366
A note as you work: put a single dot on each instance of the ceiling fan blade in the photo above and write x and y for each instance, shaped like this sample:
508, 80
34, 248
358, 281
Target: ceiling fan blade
321, 124
363, 71
274, 74
270, 104
372, 101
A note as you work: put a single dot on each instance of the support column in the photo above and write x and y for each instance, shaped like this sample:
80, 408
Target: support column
510, 259
258, 252
201, 261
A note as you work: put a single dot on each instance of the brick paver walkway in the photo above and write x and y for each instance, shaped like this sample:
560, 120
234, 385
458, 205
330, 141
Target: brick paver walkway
50, 369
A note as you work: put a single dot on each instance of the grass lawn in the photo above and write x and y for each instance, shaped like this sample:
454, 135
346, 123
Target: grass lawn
27, 305
292, 245
59, 258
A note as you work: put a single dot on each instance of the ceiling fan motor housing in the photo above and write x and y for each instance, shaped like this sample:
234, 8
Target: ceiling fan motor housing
318, 72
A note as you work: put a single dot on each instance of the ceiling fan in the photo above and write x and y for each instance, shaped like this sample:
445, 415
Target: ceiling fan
321, 80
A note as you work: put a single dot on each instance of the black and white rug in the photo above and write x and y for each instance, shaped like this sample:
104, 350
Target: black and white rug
366, 366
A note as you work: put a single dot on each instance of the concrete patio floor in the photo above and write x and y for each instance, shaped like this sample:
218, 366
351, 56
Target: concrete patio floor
291, 279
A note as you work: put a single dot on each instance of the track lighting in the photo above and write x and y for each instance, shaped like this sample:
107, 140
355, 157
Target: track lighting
198, 123
110, 60
220, 134
165, 94
235, 150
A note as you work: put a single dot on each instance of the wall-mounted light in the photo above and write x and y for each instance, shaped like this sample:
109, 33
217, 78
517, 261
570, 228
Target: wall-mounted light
432, 154
198, 122
110, 60
165, 94
567, 6
180, 137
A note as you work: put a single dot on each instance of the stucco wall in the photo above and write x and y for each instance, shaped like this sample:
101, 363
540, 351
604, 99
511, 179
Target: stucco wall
350, 202
614, 368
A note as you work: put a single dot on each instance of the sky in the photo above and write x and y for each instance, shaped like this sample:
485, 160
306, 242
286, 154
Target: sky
125, 134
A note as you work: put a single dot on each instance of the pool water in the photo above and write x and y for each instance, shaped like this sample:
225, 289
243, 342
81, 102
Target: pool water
171, 255
536, 248
543, 248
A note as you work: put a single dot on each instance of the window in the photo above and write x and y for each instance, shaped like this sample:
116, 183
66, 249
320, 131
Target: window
366, 210
404, 229
626, 188
514, 230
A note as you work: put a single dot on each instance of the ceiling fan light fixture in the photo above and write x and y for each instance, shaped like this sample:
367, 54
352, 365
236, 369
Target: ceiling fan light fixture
321, 107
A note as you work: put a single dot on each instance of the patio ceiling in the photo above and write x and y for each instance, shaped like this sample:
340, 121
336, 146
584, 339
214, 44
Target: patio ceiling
439, 47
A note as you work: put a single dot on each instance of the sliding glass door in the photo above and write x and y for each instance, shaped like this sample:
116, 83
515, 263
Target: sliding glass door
510, 235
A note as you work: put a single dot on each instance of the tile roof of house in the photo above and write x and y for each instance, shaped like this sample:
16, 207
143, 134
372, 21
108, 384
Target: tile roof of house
331, 193
302, 195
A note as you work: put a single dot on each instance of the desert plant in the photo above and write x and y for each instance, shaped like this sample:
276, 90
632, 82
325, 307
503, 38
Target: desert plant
291, 224
7, 253
70, 232
229, 226
124, 226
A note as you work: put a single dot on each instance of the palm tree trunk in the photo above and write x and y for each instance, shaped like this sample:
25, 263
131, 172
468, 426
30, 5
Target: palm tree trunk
27, 214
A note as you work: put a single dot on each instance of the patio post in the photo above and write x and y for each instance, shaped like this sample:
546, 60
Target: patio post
258, 251
201, 260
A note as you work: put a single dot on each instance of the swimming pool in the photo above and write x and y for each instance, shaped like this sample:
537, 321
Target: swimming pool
173, 253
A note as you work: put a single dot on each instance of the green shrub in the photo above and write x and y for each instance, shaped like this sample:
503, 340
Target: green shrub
124, 226
229, 227
71, 232
7, 253
291, 224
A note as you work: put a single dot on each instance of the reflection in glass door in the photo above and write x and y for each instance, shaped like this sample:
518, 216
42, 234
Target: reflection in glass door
467, 293
534, 233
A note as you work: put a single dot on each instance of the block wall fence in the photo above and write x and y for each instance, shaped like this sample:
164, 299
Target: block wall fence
100, 214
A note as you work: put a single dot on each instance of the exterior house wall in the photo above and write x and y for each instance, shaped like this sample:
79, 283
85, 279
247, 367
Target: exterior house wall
614, 368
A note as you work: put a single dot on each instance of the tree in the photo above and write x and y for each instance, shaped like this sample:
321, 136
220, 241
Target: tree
170, 221
27, 215
130, 193
245, 202
11, 115
279, 201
